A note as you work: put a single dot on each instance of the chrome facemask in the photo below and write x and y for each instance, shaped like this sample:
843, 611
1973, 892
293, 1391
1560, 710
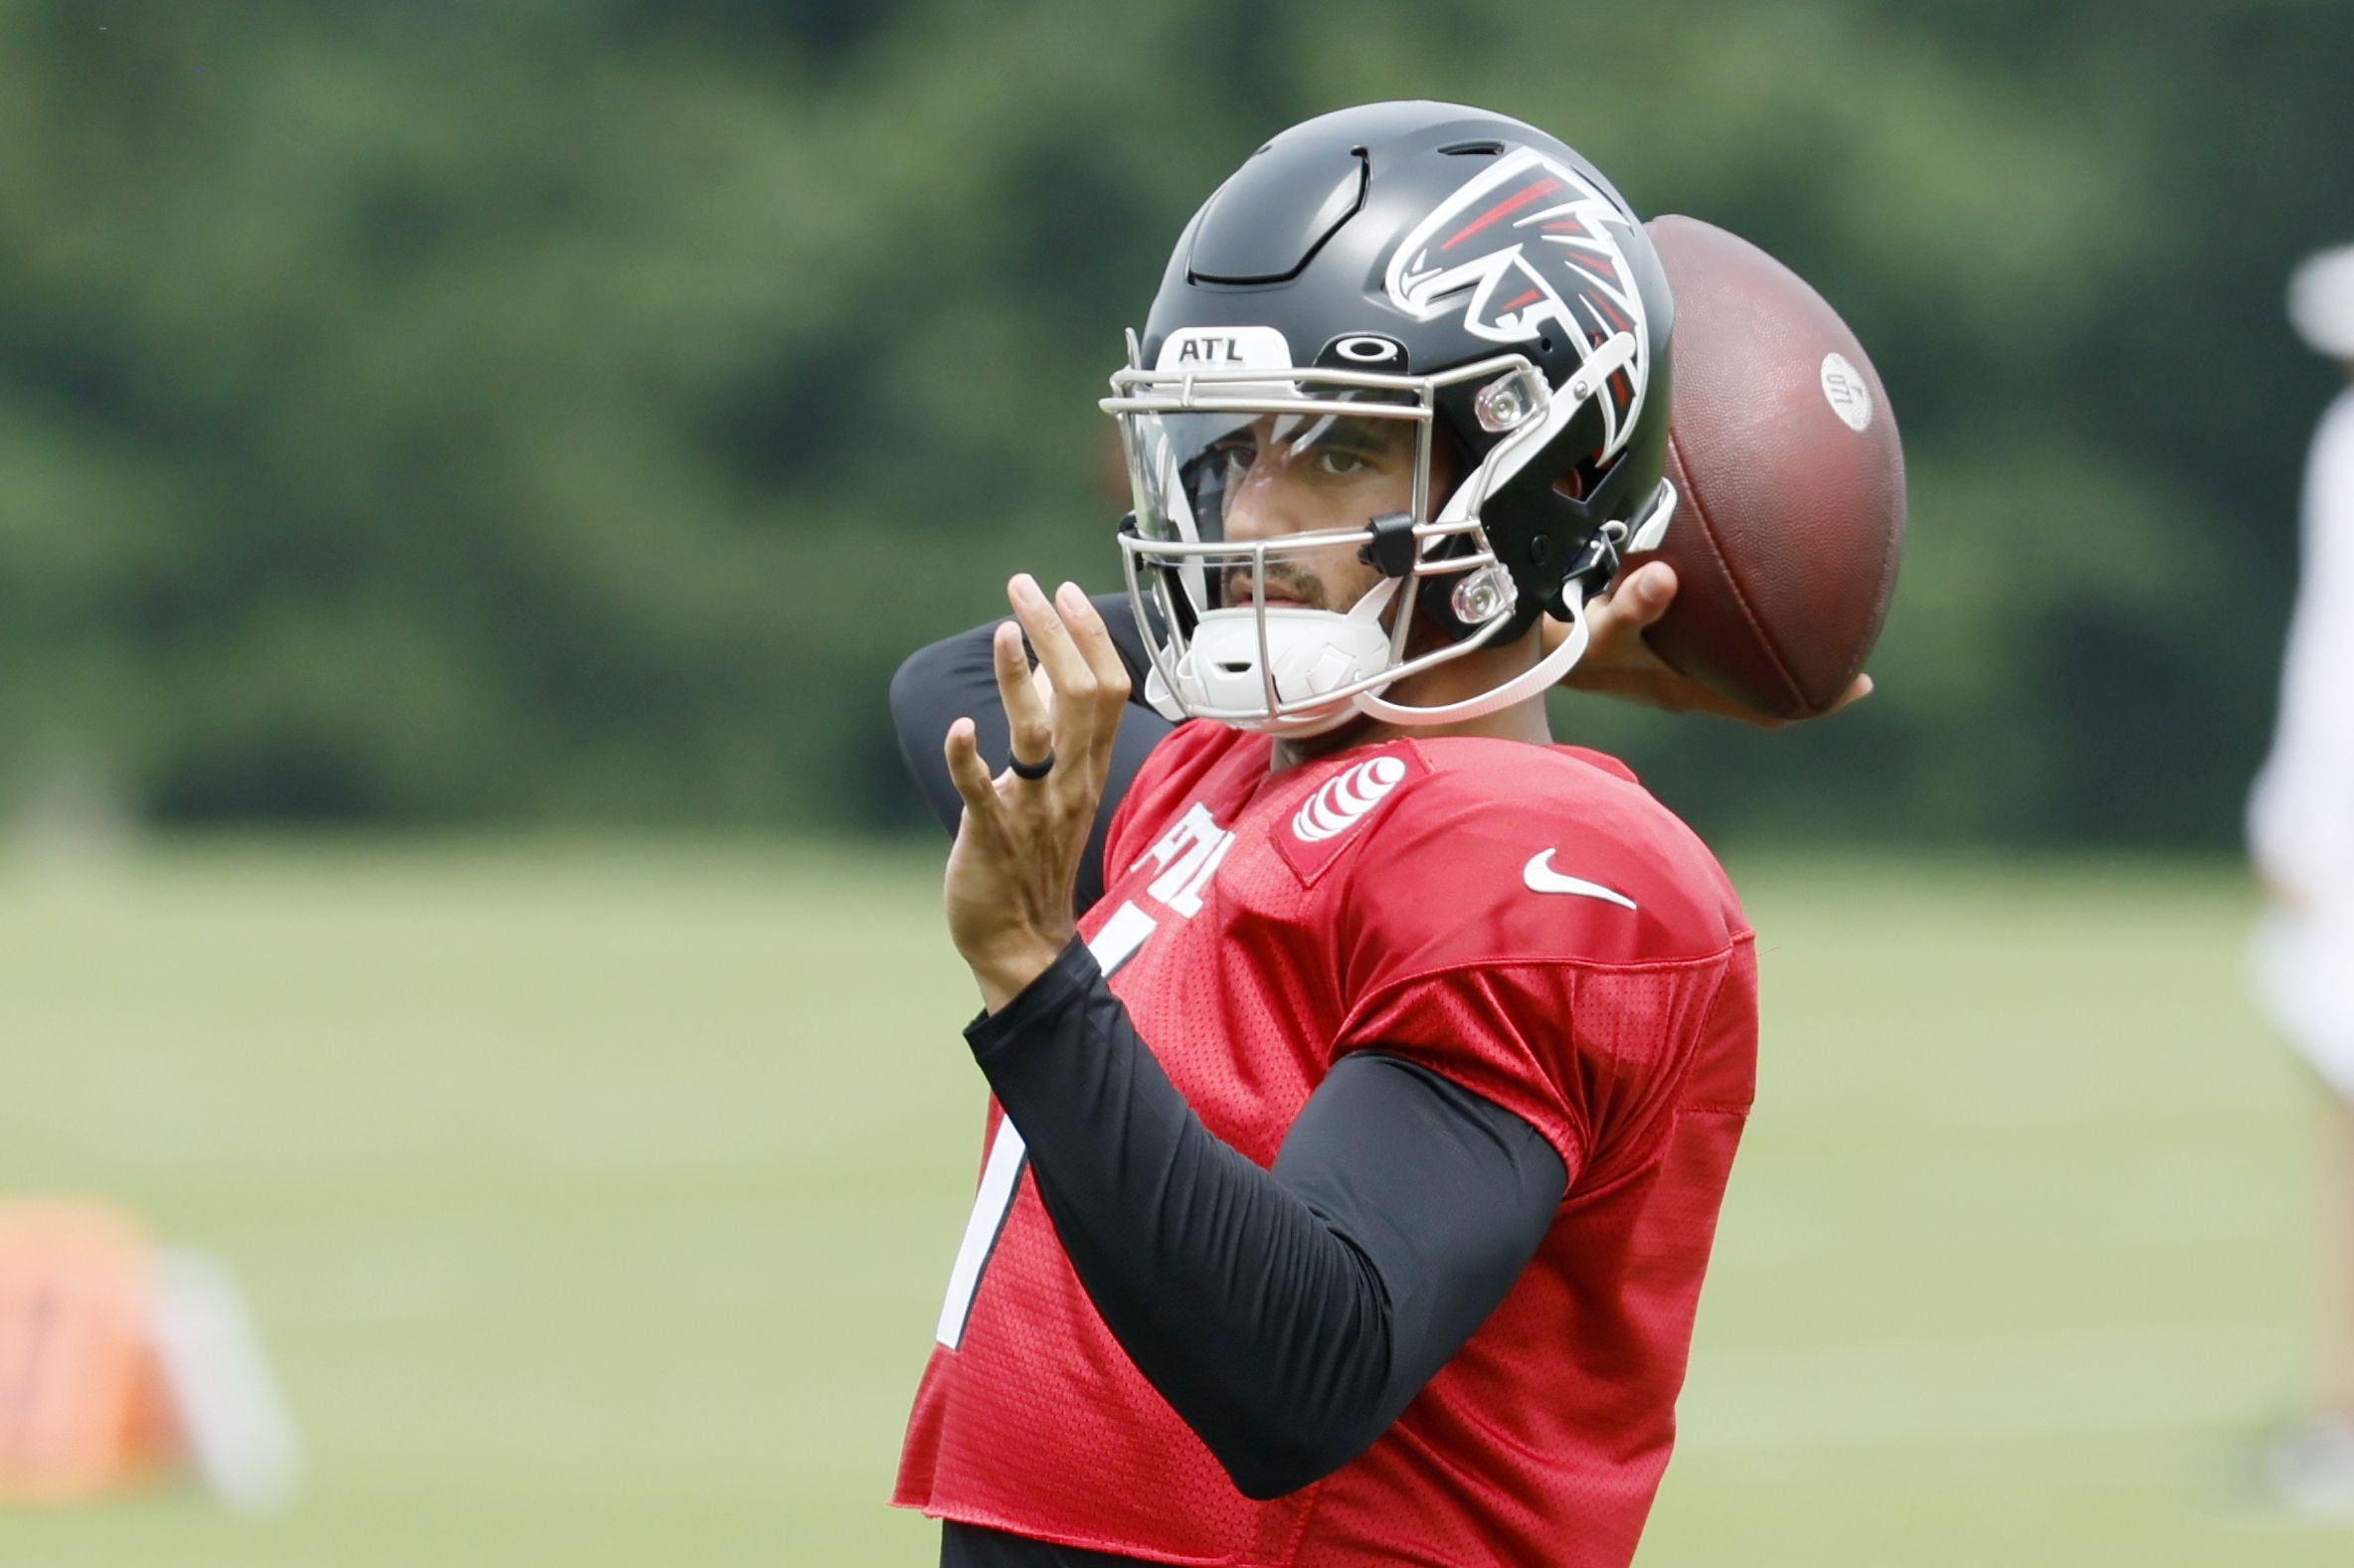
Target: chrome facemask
1232, 647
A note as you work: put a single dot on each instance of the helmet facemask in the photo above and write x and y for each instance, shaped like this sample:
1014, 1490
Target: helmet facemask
1240, 645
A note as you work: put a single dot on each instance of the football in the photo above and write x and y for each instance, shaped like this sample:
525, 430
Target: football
1789, 480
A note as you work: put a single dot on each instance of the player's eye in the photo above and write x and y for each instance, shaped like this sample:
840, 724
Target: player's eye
1340, 461
1234, 454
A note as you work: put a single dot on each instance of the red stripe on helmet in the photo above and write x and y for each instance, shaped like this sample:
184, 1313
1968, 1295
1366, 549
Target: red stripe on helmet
1510, 204
1601, 265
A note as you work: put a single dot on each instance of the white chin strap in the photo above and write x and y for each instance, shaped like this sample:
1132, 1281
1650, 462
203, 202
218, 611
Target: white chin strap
1315, 652
1540, 676
1288, 670
1549, 671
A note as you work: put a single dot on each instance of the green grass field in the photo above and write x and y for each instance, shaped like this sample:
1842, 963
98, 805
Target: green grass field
596, 1202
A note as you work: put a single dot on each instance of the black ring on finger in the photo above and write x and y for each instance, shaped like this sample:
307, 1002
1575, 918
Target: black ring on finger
1034, 772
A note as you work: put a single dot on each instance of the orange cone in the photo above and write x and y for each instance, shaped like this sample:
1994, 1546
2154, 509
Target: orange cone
83, 1405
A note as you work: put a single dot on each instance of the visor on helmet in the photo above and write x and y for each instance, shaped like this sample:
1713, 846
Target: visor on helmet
1340, 460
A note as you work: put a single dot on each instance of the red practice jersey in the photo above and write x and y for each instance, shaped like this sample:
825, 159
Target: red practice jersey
1524, 920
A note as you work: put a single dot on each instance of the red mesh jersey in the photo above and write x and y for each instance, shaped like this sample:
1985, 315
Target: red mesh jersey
1462, 902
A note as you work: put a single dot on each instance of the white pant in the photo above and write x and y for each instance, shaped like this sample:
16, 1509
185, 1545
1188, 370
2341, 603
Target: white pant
2303, 967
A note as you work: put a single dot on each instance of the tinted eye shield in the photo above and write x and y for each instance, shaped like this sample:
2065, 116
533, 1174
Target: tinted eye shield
1179, 569
1169, 421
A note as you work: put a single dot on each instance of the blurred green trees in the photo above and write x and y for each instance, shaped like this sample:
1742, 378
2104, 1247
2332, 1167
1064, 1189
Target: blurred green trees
493, 410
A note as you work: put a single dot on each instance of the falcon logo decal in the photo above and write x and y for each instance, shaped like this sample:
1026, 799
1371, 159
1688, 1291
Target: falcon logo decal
1345, 799
1525, 245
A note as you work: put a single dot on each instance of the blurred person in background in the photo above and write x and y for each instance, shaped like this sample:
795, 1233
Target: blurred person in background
2301, 834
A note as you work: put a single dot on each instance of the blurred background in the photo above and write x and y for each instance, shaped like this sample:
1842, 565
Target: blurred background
470, 467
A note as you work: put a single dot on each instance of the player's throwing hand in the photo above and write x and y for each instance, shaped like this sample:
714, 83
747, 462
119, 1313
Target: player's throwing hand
1018, 851
1618, 662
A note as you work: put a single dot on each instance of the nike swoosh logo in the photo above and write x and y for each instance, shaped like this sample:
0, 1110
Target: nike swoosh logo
1542, 878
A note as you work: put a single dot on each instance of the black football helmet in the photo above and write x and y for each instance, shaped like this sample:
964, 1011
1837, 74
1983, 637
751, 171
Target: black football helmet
1426, 262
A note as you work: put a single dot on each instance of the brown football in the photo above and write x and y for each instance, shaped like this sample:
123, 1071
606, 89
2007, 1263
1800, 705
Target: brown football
1789, 481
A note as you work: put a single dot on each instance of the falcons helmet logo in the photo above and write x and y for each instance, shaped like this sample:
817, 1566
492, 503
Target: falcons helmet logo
1525, 244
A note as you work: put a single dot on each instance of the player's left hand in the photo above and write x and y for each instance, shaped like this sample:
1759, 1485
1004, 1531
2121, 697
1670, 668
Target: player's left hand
1018, 851
1618, 662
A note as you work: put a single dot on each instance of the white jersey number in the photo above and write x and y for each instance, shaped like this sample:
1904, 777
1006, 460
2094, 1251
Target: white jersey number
1113, 945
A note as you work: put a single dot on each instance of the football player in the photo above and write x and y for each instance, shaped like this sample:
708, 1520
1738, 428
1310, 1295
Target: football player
1353, 1160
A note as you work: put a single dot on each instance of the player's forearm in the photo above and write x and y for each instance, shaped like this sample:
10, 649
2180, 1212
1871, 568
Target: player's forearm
1265, 1306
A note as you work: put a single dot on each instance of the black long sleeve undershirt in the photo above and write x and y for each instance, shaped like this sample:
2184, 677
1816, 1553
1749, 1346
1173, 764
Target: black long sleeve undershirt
1287, 1315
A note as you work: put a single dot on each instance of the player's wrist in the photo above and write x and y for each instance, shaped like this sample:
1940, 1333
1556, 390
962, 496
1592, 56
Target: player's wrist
1006, 969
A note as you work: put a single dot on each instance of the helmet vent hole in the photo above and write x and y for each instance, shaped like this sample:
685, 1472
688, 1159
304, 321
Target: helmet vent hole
1472, 149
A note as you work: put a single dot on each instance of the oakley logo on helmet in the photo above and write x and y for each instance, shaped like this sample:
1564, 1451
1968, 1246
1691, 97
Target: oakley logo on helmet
1524, 244
1368, 350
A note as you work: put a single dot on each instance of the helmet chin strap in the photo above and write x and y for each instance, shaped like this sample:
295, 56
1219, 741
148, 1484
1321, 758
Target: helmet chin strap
1604, 551
1271, 650
1541, 676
